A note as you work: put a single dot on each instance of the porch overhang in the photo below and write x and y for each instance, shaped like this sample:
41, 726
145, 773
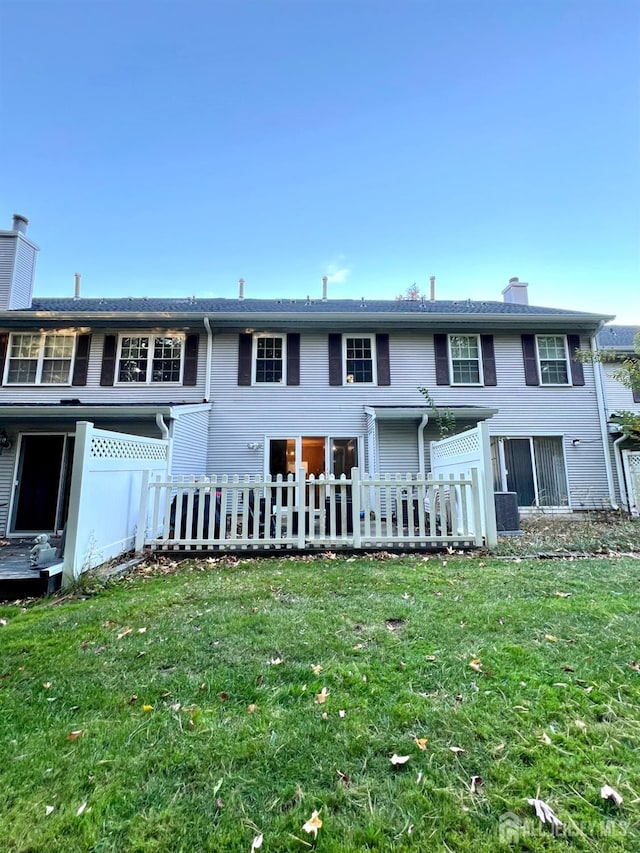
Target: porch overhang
78, 411
403, 413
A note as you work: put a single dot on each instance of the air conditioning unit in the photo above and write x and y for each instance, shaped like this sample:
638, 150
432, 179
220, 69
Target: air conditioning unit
507, 513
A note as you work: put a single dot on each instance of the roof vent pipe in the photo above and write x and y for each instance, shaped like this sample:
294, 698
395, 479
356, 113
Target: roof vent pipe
324, 288
241, 288
20, 223
76, 294
432, 287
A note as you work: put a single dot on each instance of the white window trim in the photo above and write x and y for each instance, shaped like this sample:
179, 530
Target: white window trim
254, 359
569, 381
479, 360
151, 336
40, 361
374, 359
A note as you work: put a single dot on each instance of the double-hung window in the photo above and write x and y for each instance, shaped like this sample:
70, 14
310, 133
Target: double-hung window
150, 359
466, 360
552, 360
269, 359
359, 358
40, 359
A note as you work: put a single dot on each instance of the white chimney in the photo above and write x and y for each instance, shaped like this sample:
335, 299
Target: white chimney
516, 292
241, 288
76, 295
324, 288
20, 223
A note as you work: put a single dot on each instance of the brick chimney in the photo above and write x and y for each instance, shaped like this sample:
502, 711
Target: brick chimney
516, 292
17, 266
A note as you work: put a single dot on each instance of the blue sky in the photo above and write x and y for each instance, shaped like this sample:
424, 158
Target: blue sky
168, 148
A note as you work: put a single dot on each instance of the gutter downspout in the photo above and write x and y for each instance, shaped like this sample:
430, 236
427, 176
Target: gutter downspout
207, 375
617, 455
600, 398
421, 427
165, 433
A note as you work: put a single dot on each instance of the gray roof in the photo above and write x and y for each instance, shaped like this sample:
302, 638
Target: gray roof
618, 337
138, 305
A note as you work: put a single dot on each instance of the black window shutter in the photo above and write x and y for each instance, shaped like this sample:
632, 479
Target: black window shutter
530, 360
81, 363
382, 359
577, 373
4, 342
293, 358
488, 360
244, 359
190, 372
335, 359
440, 345
108, 372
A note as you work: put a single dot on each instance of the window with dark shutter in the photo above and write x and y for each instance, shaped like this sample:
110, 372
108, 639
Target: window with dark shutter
530, 360
442, 359
81, 362
4, 341
293, 359
244, 359
577, 373
190, 372
488, 360
108, 371
335, 359
382, 356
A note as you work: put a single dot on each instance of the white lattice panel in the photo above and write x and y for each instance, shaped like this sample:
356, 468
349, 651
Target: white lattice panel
103, 447
464, 444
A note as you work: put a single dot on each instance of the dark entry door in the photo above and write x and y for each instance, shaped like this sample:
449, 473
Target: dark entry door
39, 478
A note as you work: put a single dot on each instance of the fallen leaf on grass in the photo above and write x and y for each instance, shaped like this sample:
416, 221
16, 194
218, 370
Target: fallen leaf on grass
275, 661
399, 760
124, 632
75, 735
217, 787
544, 812
567, 668
544, 737
343, 778
608, 793
3, 622
46, 684
476, 665
550, 638
256, 844
147, 708
456, 749
430, 658
48, 810
325, 716
521, 708
580, 725
563, 594
312, 826
421, 743
342, 714
419, 778
358, 646
476, 783
251, 708
81, 809
635, 665
322, 696
317, 668
142, 630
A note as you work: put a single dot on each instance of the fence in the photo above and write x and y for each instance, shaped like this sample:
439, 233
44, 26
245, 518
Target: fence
300, 512
104, 500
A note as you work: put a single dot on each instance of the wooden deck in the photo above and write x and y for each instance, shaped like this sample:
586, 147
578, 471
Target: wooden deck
18, 579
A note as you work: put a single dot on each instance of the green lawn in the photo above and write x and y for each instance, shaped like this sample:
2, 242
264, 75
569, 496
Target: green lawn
193, 709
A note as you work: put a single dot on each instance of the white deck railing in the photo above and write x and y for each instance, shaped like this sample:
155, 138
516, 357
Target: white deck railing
306, 512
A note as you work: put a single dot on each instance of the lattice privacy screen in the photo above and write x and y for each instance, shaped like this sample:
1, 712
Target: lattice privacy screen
119, 448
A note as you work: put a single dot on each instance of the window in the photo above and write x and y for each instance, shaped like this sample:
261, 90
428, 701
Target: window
269, 359
359, 360
150, 359
464, 352
552, 360
40, 359
533, 467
